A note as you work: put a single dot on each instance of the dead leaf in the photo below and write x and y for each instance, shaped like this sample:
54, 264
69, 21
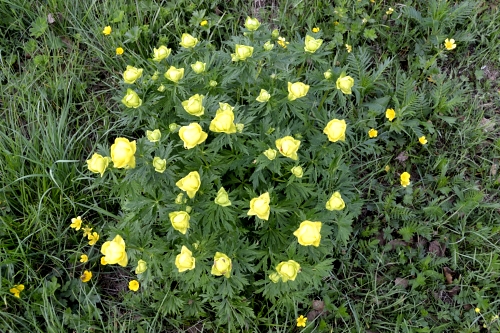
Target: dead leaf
487, 124
401, 282
402, 157
313, 315
454, 291
318, 305
50, 18
396, 243
448, 274
494, 168
436, 248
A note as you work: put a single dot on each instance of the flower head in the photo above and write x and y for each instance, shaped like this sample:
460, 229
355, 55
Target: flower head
160, 164
390, 114
185, 261
123, 153
477, 310
86, 276
422, 140
224, 120
180, 221
288, 270
335, 202
345, 84
270, 153
301, 321
288, 146
252, 24
297, 90
372, 133
131, 99
274, 277
114, 251
142, 266
153, 136
390, 11
174, 74
308, 233
282, 42
107, 30
161, 53
194, 105
133, 285
222, 265
131, 74
93, 238
119, 51
199, 67
328, 74
405, 179
348, 48
449, 44
263, 96
241, 52
222, 198
190, 184
260, 206
315, 29
98, 164
188, 41
192, 135
297, 171
268, 46
312, 44
203, 23
335, 130
16, 290
86, 231
76, 223
84, 258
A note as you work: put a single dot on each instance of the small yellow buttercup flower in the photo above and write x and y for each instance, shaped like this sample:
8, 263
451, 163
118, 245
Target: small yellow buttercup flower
107, 30
297, 171
76, 223
160, 164
268, 46
260, 206
16, 290
185, 261
328, 74
345, 84
133, 285
142, 266
131, 99
405, 179
222, 265
241, 52
335, 202
98, 163
222, 198
301, 321
192, 135
203, 23
174, 74
190, 184
282, 42
194, 105
263, 96
449, 44
161, 53
477, 310
131, 74
372, 133
390, 11
93, 238
308, 233
348, 48
119, 51
252, 24
153, 136
199, 67
390, 114
188, 41
315, 29
224, 120
271, 153
122, 153
114, 251
335, 130
86, 231
180, 221
422, 140
84, 258
288, 270
86, 276
297, 90
312, 44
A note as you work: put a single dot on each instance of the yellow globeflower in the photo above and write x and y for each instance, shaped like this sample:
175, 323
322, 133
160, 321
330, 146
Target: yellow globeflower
372, 133
222, 265
180, 221
241, 52
185, 261
449, 44
131, 74
131, 99
328, 74
260, 206
153, 136
174, 74
192, 135
107, 30
335, 202
161, 53
345, 84
142, 266
160, 164
199, 67
268, 46
76, 223
252, 24
308, 233
390, 114
133, 285
223, 121
114, 251
86, 276
335, 130
98, 164
297, 90
312, 44
203, 23
16, 290
188, 41
288, 270
297, 171
288, 146
122, 153
263, 96
194, 105
190, 184
222, 198
405, 179
271, 153
422, 140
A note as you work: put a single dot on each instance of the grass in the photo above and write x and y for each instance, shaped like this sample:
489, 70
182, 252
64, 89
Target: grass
57, 98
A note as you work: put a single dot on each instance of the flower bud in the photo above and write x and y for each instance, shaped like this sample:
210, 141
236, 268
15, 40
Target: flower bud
180, 221
131, 74
274, 277
185, 261
122, 153
161, 53
161, 88
335, 202
297, 171
180, 199
241, 52
155, 76
141, 267
199, 67
222, 265
222, 198
270, 153
252, 24
328, 74
263, 96
335, 130
190, 184
275, 33
212, 83
268, 46
174, 74
131, 99
260, 206
288, 270
312, 44
153, 136
192, 135
240, 127
160, 164
308, 233
188, 41
189, 209
345, 83
173, 127
297, 90
98, 163
194, 105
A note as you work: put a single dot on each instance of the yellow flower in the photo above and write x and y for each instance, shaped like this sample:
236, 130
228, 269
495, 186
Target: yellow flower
185, 261
98, 164
194, 105
86, 231
372, 133
224, 120
188, 41
180, 199
270, 153
84, 258
297, 171
268, 46
345, 83
390, 114
252, 24
122, 153
301, 321
312, 44
477, 310
222, 265
114, 251
174, 74
199, 67
328, 74
190, 184
240, 127
161, 53
282, 42
212, 83
107, 30
288, 147
348, 48
316, 29
93, 238
142, 266
180, 221
155, 76
161, 88
76, 223
192, 135
222, 198
160, 164
422, 140
260, 206
86, 276
16, 290
297, 90
405, 179
241, 52
153, 136
203, 23
119, 51
335, 130
387, 168
288, 270
133, 285
308, 233
131, 74
274, 277
263, 96
389, 11
103, 261
131, 99
449, 44
335, 202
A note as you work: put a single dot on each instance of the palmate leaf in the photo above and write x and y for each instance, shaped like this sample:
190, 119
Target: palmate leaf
344, 228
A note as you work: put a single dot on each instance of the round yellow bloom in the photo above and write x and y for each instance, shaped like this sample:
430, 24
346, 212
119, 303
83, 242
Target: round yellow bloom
180, 221
335, 130
222, 265
16, 290
241, 52
297, 90
268, 46
422, 140
315, 30
194, 105
288, 270
76, 223
107, 30
161, 53
93, 238
119, 51
203, 23
312, 44
153, 136
263, 96
390, 114
222, 198
328, 74
308, 233
288, 147
98, 164
114, 251
190, 184
372, 133
160, 164
271, 153
345, 83
405, 179
199, 67
297, 171
142, 266
192, 135
133, 285
188, 41
86, 276
122, 153
131, 99
174, 74
84, 258
252, 24
335, 202
185, 261
348, 48
223, 121
131, 74
449, 44
301, 321
260, 206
